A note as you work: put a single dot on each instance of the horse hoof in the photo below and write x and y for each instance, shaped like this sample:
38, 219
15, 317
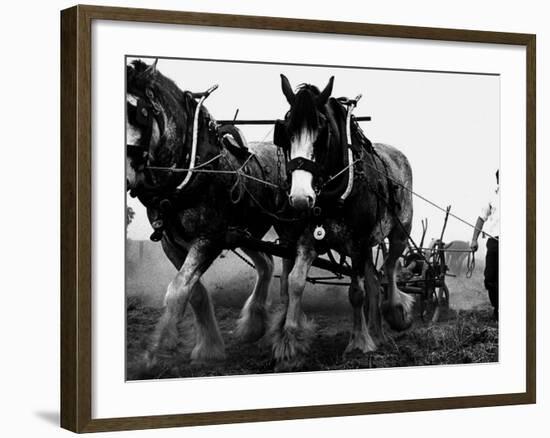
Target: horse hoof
294, 342
149, 360
249, 335
147, 367
379, 338
202, 355
396, 316
251, 326
289, 365
362, 343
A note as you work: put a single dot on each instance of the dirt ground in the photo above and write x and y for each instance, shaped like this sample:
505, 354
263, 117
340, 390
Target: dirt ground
466, 332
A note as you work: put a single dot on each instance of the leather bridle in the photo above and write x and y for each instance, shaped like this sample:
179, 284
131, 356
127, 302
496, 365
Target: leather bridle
281, 139
342, 136
146, 112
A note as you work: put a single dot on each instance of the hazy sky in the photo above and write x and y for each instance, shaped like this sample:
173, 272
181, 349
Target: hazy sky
447, 124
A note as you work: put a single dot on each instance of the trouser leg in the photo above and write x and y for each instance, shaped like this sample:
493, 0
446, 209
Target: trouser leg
491, 272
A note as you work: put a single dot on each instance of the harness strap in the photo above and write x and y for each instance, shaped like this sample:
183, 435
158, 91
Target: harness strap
351, 105
301, 163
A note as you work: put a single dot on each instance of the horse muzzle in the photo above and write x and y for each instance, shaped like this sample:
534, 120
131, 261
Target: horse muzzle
302, 197
302, 203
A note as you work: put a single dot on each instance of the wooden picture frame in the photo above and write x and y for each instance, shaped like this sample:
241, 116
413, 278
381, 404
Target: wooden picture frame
76, 218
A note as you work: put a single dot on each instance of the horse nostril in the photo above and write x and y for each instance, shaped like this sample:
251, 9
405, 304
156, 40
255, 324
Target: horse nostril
310, 201
300, 203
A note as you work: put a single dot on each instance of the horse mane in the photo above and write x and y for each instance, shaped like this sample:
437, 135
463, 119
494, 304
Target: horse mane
304, 109
178, 104
169, 95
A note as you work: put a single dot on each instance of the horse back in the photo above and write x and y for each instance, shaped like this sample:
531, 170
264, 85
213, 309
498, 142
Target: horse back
388, 176
396, 164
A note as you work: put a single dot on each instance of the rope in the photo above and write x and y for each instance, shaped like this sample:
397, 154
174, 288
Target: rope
237, 185
267, 212
428, 201
332, 178
199, 169
174, 169
239, 173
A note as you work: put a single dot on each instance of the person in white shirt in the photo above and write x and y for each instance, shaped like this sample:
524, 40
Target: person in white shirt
489, 222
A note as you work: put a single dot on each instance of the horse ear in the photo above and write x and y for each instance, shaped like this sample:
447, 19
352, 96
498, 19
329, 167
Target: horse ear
287, 90
152, 69
322, 99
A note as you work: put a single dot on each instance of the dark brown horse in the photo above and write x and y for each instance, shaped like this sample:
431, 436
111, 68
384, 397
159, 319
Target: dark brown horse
199, 210
347, 215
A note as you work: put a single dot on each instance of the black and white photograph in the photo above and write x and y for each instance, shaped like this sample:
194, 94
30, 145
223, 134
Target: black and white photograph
305, 218
275, 219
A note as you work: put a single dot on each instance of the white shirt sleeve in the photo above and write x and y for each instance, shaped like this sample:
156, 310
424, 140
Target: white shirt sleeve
486, 212
491, 215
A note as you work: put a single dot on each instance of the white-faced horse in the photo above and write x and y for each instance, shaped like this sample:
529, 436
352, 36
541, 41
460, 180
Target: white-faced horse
347, 215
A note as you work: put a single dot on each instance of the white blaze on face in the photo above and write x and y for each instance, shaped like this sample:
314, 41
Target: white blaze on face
301, 145
132, 133
131, 175
133, 136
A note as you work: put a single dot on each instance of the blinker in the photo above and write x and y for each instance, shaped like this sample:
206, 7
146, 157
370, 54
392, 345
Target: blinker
142, 115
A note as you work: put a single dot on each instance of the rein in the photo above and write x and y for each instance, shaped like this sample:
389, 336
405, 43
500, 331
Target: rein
199, 169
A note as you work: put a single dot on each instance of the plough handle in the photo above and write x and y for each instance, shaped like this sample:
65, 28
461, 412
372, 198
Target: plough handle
448, 210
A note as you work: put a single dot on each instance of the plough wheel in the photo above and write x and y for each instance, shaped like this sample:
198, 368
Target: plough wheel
436, 300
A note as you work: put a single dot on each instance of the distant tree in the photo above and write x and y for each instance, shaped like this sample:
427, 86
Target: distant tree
130, 213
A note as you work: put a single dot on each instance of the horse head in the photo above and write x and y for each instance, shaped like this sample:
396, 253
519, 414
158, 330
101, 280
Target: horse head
304, 135
311, 136
158, 123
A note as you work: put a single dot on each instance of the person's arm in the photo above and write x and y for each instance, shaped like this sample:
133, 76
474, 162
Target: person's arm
477, 231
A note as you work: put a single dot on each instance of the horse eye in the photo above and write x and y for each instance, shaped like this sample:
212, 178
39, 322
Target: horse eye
144, 112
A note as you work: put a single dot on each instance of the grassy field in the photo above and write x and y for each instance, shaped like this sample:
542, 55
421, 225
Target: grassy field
465, 334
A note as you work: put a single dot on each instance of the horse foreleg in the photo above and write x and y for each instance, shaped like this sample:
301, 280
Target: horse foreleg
251, 325
292, 333
373, 309
398, 309
209, 345
360, 338
286, 267
202, 253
